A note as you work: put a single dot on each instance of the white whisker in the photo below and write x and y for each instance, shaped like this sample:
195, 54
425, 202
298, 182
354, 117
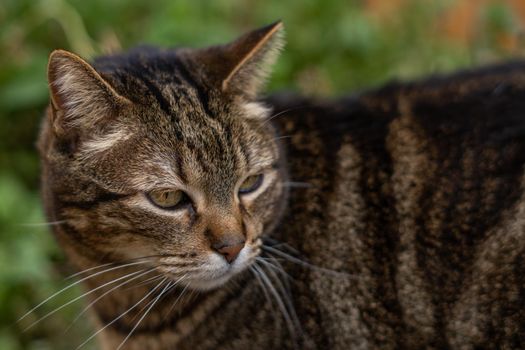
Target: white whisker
149, 280
173, 285
306, 264
145, 313
279, 268
180, 295
276, 271
285, 295
122, 315
263, 287
296, 184
106, 293
37, 224
74, 284
276, 244
282, 137
88, 270
80, 297
288, 320
144, 259
265, 291
281, 113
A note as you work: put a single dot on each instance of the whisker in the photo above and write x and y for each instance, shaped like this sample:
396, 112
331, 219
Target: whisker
306, 264
278, 263
149, 302
120, 263
280, 304
279, 269
192, 294
281, 113
74, 284
274, 116
295, 184
285, 296
149, 280
169, 285
185, 267
263, 287
173, 285
180, 295
266, 293
122, 315
88, 270
283, 137
79, 297
276, 243
106, 293
37, 224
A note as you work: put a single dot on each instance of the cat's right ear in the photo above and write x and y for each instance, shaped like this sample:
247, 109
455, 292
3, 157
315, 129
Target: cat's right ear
80, 97
242, 66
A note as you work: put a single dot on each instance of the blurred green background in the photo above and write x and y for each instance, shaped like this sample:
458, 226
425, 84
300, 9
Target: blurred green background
334, 47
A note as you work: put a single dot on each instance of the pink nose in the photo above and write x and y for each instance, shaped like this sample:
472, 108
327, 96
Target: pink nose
229, 251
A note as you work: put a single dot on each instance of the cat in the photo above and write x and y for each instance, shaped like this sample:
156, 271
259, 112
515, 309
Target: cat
202, 216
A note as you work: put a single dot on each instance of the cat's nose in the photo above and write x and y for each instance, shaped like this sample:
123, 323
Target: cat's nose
229, 251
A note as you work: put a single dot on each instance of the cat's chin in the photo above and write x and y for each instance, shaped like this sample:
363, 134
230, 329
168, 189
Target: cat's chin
206, 284
219, 273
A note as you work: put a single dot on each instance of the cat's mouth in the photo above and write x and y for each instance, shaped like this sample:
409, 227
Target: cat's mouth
215, 271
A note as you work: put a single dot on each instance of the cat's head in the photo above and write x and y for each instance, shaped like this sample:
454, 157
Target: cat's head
165, 154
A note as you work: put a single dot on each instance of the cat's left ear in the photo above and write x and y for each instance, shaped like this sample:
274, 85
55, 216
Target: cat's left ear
242, 66
80, 97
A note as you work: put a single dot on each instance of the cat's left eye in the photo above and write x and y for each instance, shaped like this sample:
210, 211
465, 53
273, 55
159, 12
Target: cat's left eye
251, 183
168, 198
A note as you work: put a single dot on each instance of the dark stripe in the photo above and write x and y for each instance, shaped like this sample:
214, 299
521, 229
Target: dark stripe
179, 93
202, 91
84, 246
180, 168
163, 103
148, 79
122, 327
90, 204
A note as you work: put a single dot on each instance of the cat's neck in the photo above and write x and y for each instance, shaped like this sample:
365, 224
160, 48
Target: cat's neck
149, 304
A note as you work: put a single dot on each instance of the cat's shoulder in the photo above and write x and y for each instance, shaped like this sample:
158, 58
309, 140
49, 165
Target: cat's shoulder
491, 81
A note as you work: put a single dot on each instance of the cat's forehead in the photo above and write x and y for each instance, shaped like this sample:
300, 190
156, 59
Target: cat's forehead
205, 148
202, 148
154, 76
208, 157
186, 129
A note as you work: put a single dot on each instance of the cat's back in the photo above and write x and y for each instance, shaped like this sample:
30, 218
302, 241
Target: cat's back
414, 194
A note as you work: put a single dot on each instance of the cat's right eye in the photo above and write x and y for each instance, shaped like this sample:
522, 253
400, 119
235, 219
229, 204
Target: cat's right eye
251, 183
168, 198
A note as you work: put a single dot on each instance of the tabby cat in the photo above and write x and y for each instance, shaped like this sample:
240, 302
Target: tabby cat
201, 216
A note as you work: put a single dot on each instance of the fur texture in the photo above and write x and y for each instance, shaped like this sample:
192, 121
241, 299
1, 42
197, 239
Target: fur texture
406, 204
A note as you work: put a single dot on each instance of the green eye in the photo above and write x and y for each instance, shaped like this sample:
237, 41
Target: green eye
167, 199
251, 184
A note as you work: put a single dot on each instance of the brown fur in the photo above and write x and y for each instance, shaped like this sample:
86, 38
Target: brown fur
406, 203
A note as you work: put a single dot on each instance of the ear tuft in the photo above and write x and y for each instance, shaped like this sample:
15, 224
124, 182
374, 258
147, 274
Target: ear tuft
79, 95
241, 67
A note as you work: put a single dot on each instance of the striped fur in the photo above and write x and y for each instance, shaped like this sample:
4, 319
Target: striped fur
408, 207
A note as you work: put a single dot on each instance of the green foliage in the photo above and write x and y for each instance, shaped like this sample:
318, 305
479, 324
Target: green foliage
27, 255
333, 47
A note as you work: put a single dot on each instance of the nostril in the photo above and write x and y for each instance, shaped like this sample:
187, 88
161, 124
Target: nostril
230, 251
